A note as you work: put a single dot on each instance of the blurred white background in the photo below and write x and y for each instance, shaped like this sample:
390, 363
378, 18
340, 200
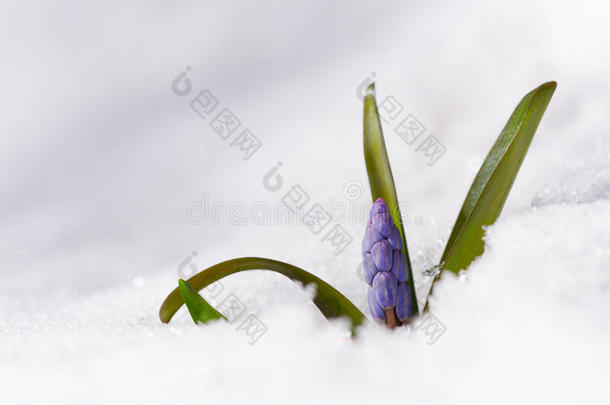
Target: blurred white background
100, 161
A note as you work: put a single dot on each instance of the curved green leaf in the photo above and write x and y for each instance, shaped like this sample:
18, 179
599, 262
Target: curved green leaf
331, 302
200, 310
379, 172
488, 193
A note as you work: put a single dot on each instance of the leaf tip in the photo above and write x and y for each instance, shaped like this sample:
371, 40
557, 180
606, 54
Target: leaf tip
545, 88
550, 86
370, 90
163, 316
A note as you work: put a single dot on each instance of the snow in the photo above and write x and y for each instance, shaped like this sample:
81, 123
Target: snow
101, 161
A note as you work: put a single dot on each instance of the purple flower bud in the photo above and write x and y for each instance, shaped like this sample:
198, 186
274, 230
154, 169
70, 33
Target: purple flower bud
384, 224
369, 268
395, 239
371, 236
399, 267
385, 266
376, 310
382, 255
404, 309
385, 289
379, 207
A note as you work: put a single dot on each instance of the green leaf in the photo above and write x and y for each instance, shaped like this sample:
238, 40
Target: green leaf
378, 169
200, 310
488, 193
330, 301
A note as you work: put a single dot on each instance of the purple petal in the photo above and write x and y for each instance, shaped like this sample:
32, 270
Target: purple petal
385, 288
384, 224
404, 310
382, 255
369, 268
376, 310
399, 267
371, 235
395, 239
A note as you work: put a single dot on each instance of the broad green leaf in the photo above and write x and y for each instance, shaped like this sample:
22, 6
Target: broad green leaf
379, 172
488, 193
200, 310
330, 301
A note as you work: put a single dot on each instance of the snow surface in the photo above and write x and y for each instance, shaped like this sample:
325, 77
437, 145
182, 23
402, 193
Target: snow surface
100, 163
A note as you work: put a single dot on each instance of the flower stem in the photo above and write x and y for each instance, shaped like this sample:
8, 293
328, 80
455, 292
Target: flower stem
391, 319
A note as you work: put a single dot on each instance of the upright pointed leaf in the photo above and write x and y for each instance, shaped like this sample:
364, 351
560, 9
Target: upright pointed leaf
200, 310
488, 193
331, 302
379, 172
